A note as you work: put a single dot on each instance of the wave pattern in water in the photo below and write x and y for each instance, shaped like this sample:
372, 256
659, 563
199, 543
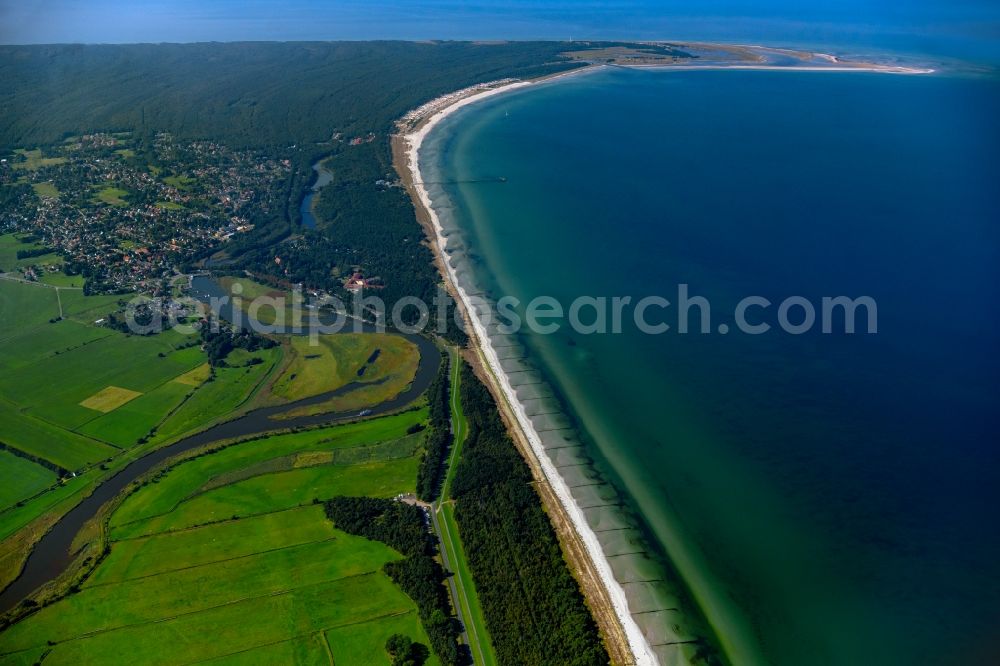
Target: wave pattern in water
656, 600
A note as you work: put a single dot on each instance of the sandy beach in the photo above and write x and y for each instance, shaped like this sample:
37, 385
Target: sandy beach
861, 67
432, 114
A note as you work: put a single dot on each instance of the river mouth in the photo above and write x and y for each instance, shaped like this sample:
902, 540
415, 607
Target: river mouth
51, 555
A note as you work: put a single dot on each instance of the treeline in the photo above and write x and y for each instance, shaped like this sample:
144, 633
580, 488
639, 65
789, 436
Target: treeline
533, 607
439, 437
34, 252
219, 343
402, 527
59, 471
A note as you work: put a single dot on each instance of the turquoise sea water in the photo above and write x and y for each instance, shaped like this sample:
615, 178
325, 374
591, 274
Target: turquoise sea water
826, 498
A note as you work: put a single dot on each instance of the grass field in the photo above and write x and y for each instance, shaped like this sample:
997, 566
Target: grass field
231, 388
14, 518
180, 182
278, 585
196, 377
60, 279
24, 306
125, 425
21, 478
39, 438
34, 160
64, 386
109, 194
45, 190
126, 362
170, 492
341, 359
87, 309
337, 360
169, 205
11, 243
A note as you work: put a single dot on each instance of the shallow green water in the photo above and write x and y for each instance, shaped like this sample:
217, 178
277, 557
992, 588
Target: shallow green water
824, 497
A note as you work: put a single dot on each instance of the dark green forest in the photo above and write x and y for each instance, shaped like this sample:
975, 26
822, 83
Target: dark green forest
533, 606
248, 95
439, 435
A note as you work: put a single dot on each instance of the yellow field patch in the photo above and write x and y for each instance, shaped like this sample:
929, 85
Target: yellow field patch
313, 458
110, 398
195, 377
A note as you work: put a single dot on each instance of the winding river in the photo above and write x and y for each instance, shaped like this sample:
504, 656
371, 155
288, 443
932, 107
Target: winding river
323, 177
51, 556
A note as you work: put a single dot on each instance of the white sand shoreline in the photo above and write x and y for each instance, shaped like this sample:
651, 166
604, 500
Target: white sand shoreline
641, 649
877, 69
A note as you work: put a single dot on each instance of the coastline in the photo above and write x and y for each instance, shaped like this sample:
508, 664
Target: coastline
861, 67
589, 554
579, 540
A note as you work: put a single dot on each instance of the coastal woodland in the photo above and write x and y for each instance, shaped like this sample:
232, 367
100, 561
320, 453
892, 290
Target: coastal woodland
513, 551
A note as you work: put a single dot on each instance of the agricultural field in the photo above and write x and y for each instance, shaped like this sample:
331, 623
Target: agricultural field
383, 364
23, 306
76, 394
275, 458
70, 388
9, 246
60, 279
234, 563
21, 478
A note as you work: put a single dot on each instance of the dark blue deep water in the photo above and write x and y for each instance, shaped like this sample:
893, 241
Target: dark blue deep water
828, 498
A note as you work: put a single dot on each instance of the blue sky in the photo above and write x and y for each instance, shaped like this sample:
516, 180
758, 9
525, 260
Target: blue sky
936, 25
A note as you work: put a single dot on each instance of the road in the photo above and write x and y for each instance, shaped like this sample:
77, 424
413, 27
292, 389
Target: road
447, 562
462, 587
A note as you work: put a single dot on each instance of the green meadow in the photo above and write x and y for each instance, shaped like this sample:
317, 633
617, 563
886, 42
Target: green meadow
34, 160
76, 394
337, 360
60, 279
15, 517
180, 182
112, 195
11, 243
24, 307
21, 478
282, 479
225, 558
45, 190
